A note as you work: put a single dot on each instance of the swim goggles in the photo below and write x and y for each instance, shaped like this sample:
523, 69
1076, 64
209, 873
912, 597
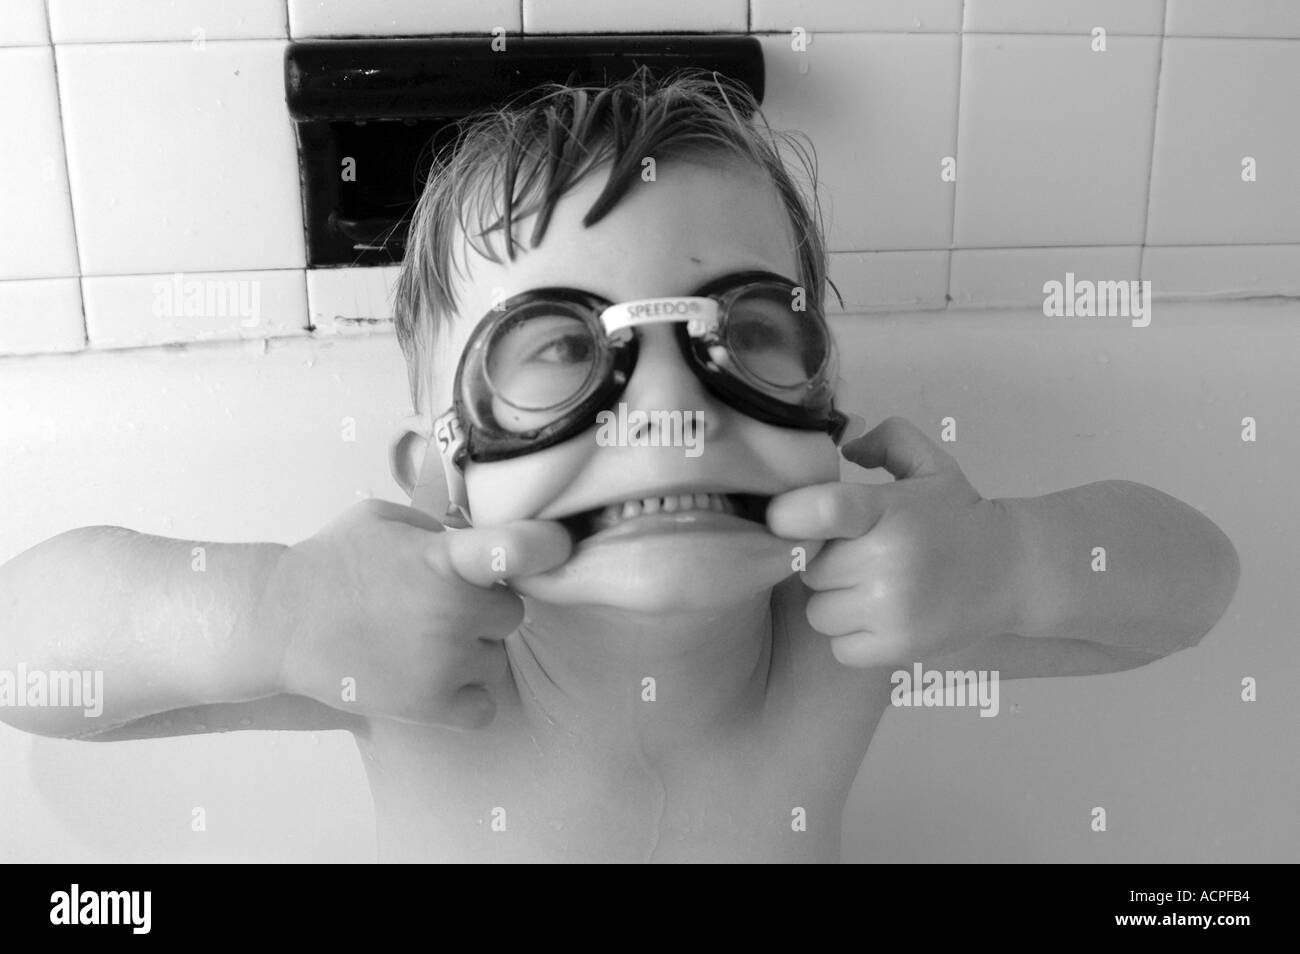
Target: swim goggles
541, 365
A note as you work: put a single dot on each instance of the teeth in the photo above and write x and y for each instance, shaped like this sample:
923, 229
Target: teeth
614, 513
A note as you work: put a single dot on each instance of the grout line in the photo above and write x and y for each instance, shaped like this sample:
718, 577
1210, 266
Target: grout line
127, 41
378, 329
306, 297
191, 272
962, 32
1151, 166
1117, 246
67, 174
186, 40
956, 153
1056, 248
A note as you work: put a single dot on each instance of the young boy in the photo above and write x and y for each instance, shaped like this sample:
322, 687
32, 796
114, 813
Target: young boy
698, 622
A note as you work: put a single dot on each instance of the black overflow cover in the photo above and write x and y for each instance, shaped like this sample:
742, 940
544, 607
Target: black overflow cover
388, 106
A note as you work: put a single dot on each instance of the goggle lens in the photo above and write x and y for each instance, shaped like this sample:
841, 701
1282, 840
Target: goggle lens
776, 344
539, 361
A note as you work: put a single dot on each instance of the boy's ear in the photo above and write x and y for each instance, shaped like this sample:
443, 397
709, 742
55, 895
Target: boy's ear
407, 449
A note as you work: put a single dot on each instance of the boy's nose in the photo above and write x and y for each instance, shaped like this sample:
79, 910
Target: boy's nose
662, 381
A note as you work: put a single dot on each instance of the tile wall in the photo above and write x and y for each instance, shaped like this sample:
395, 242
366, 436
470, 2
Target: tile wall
142, 139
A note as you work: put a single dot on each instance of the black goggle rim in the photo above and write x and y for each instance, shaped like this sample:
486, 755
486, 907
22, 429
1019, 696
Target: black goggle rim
622, 351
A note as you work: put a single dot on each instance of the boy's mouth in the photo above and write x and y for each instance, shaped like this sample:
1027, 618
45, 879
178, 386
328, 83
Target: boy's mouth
751, 507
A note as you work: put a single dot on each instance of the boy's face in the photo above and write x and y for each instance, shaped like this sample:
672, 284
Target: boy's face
665, 238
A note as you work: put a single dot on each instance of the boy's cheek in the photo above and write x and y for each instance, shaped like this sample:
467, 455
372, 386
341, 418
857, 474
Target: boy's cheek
517, 488
799, 458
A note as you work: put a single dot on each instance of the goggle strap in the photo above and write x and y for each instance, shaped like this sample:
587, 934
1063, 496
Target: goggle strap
700, 313
447, 499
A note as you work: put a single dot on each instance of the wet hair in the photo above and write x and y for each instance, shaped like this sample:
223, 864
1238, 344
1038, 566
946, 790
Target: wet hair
522, 157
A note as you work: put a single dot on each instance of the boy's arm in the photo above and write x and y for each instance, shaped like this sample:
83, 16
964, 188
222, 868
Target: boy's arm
1169, 575
169, 623
925, 568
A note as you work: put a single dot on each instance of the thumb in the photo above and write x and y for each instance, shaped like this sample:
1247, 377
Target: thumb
484, 556
900, 447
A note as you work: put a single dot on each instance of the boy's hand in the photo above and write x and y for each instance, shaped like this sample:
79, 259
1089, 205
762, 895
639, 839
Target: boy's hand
385, 601
915, 568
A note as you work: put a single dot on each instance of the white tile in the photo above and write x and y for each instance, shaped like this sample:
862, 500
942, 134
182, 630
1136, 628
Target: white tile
343, 300
1222, 271
1054, 141
855, 16
22, 23
1221, 102
1145, 17
995, 277
122, 21
664, 16
181, 159
859, 99
36, 237
1265, 18
38, 317
400, 17
132, 311
893, 281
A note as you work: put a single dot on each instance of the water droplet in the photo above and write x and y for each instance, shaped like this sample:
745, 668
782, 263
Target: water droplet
245, 722
1103, 358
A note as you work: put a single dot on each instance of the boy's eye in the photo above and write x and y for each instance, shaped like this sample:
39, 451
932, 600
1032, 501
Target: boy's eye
542, 361
570, 349
755, 335
764, 337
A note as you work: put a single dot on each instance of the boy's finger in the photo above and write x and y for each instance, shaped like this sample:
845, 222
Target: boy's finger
826, 511
484, 556
867, 650
900, 447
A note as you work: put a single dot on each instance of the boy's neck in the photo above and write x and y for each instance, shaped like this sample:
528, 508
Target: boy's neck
617, 678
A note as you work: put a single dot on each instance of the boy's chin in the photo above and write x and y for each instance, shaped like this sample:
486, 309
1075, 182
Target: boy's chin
667, 573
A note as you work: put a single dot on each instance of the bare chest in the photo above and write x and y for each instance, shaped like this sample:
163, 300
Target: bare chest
760, 794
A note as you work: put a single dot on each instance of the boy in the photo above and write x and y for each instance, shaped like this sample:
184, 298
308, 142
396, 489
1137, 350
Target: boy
689, 652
